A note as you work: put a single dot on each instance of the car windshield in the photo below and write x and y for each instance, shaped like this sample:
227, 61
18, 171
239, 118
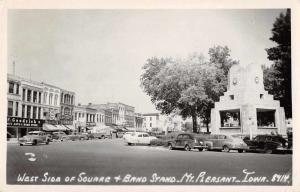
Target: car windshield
33, 133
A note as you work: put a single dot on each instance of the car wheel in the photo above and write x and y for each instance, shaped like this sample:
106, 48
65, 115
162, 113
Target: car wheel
21, 144
268, 151
240, 150
34, 142
226, 148
187, 148
102, 137
47, 142
200, 149
129, 143
170, 147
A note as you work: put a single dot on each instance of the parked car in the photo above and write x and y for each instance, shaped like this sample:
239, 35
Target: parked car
224, 142
78, 136
34, 138
139, 138
59, 135
268, 143
187, 141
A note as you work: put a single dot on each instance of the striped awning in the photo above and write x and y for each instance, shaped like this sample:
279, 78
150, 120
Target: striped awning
70, 127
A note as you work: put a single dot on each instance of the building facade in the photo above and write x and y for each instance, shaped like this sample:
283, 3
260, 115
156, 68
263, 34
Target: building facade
138, 121
67, 103
25, 108
246, 107
51, 104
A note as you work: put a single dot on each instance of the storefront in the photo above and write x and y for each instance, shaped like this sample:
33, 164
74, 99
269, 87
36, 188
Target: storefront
246, 108
17, 127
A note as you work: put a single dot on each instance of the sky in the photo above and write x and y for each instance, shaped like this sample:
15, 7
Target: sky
99, 54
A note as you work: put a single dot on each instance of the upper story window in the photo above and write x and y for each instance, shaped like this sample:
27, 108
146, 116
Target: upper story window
55, 99
45, 98
23, 94
34, 96
11, 87
231, 97
10, 108
50, 99
29, 95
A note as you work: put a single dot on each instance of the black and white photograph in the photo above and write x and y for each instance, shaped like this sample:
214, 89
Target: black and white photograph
177, 97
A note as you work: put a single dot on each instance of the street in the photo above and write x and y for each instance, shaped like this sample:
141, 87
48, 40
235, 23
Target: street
113, 162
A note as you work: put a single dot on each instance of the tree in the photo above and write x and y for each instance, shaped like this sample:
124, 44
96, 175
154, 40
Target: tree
277, 77
190, 85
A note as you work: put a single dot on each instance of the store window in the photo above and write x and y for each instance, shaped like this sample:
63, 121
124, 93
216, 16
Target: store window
11, 87
230, 118
10, 108
265, 118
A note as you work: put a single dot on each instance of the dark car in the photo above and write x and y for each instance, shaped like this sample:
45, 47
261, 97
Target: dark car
267, 143
186, 141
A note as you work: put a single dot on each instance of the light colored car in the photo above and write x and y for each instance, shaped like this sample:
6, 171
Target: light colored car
225, 142
127, 134
60, 136
34, 138
139, 138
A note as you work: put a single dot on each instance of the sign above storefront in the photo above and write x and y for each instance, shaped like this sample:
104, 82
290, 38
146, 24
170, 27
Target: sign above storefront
24, 122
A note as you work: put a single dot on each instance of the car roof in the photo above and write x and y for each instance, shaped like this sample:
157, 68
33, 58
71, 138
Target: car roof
36, 132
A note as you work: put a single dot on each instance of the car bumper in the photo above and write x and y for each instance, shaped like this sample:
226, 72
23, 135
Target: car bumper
200, 147
25, 142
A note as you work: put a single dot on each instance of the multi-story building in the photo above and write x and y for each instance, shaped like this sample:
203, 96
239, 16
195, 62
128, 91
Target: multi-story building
25, 107
51, 103
151, 121
84, 117
67, 103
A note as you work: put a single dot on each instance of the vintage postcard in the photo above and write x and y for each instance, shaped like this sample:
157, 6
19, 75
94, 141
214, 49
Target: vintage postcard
149, 96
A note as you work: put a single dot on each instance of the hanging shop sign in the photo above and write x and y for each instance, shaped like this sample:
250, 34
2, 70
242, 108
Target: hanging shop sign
24, 122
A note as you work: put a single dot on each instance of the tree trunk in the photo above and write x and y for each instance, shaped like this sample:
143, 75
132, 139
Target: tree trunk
207, 128
194, 118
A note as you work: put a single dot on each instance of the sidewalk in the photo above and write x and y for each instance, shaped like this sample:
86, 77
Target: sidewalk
12, 141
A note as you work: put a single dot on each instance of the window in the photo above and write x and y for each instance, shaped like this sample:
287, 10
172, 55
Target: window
17, 90
150, 118
23, 94
145, 135
231, 97
28, 111
10, 108
140, 135
34, 112
45, 98
23, 111
180, 137
67, 111
261, 96
17, 107
34, 96
11, 87
39, 113
55, 99
29, 95
150, 125
265, 118
186, 137
230, 118
50, 98
40, 97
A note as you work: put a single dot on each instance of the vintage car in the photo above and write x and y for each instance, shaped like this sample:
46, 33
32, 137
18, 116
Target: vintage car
225, 142
187, 141
60, 136
78, 136
34, 138
268, 144
139, 138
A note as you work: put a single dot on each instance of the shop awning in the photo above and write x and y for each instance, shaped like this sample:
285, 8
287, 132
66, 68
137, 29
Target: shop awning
49, 127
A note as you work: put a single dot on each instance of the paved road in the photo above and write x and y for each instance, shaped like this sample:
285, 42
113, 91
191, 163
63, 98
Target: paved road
113, 162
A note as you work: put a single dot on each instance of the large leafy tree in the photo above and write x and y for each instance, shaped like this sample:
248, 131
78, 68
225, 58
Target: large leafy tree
277, 77
190, 86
